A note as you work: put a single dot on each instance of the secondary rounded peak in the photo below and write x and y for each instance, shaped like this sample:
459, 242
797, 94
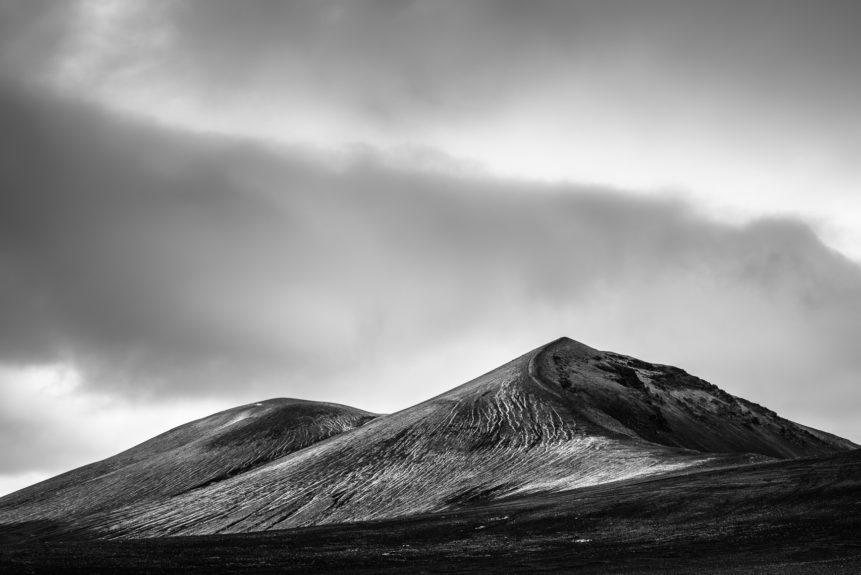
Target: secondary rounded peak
200, 453
297, 404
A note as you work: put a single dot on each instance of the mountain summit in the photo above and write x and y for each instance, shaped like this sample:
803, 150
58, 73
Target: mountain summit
559, 417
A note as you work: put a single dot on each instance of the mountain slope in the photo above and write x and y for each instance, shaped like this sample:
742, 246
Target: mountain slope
187, 457
800, 516
666, 405
560, 417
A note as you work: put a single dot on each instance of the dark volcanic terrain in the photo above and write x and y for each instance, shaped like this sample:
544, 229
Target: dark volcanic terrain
564, 457
789, 517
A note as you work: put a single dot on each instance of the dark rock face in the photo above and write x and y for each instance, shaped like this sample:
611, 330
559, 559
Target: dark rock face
666, 405
560, 417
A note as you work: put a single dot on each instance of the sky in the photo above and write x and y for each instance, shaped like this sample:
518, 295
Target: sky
207, 203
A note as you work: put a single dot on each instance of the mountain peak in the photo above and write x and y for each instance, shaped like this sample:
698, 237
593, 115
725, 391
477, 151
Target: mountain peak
572, 348
666, 405
562, 416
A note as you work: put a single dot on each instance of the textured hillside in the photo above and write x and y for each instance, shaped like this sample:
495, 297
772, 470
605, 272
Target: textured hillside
560, 417
190, 456
613, 393
800, 516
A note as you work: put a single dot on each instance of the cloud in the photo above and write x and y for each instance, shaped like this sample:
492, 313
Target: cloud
31, 34
745, 106
342, 51
160, 263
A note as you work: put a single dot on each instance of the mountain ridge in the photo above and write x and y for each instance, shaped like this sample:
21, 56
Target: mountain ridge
210, 448
562, 416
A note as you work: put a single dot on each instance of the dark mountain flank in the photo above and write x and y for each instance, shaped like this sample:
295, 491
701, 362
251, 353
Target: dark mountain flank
663, 404
561, 417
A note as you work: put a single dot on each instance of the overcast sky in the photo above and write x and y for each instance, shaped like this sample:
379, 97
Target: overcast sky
206, 203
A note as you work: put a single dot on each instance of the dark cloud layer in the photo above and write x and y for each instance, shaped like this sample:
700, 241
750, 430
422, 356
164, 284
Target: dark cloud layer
163, 263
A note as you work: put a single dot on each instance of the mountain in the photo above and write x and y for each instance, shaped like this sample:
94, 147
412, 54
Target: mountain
561, 417
188, 457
